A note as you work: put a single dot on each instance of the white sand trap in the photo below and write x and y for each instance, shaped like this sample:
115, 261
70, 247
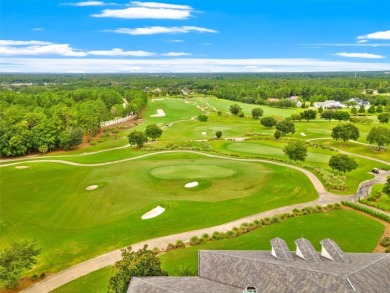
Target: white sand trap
204, 133
153, 213
22, 167
160, 113
91, 187
191, 184
303, 134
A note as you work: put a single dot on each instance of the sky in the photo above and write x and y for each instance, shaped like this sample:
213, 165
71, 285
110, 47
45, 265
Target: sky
117, 36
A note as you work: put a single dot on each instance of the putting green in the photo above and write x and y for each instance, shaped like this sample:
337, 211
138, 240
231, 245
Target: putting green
254, 148
179, 172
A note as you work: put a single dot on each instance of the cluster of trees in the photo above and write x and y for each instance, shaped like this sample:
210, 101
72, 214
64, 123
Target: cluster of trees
139, 138
336, 115
42, 119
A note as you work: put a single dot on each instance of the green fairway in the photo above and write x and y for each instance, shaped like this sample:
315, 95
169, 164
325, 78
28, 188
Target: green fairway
72, 224
351, 231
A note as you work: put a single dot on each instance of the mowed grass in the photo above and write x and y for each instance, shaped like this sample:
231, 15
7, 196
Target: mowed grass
317, 157
48, 202
352, 231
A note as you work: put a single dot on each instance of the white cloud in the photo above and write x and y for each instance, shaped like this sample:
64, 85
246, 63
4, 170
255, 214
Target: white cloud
120, 52
152, 30
175, 41
38, 29
161, 5
22, 43
183, 65
360, 55
362, 41
52, 49
144, 12
383, 35
87, 3
176, 54
364, 44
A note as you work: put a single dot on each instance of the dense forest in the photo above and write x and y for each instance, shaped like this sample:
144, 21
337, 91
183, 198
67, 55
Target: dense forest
46, 112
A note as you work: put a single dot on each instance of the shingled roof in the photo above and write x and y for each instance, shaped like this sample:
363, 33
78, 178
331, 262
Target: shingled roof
231, 271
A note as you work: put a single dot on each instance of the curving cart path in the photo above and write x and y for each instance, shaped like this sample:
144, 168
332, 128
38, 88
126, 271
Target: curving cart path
110, 258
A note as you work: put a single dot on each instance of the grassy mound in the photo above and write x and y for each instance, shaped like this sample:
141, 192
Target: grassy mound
192, 171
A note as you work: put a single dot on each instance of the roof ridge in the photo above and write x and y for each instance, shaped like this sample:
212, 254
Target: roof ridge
386, 255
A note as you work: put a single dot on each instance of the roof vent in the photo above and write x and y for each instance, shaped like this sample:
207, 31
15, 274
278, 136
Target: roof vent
332, 251
280, 250
306, 250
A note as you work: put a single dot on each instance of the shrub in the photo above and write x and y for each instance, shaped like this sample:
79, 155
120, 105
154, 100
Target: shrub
34, 277
179, 244
367, 210
42, 275
385, 241
194, 240
170, 246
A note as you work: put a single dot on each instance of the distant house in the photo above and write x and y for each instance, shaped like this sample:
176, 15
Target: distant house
282, 271
359, 102
295, 99
328, 104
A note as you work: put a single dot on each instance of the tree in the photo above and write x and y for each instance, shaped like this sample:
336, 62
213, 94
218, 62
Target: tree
218, 134
268, 122
345, 132
308, 115
202, 118
379, 135
137, 138
379, 109
277, 134
371, 110
341, 116
362, 110
43, 148
320, 110
354, 111
257, 113
296, 150
286, 127
153, 131
384, 117
14, 260
296, 117
342, 163
143, 262
235, 109
386, 188
327, 115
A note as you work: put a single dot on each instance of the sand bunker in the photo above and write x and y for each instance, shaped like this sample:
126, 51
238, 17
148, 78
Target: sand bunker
303, 134
160, 113
153, 213
204, 133
22, 167
191, 184
91, 187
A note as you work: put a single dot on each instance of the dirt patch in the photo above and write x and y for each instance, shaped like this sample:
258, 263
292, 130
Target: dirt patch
379, 248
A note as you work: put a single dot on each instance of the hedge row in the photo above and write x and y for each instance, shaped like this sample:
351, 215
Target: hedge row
367, 210
247, 227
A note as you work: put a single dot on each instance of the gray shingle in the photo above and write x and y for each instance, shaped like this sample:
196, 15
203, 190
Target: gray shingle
306, 250
280, 249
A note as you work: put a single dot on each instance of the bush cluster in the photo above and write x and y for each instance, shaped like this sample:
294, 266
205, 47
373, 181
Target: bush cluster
371, 201
179, 145
367, 210
250, 226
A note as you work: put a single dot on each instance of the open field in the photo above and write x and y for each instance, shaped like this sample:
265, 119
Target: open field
72, 224
335, 225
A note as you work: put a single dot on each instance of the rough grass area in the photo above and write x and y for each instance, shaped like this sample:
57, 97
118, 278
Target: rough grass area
351, 231
192, 171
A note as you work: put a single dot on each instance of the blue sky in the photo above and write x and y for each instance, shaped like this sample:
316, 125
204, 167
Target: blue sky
194, 36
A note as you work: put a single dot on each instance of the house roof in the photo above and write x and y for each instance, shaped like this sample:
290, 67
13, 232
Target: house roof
236, 269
